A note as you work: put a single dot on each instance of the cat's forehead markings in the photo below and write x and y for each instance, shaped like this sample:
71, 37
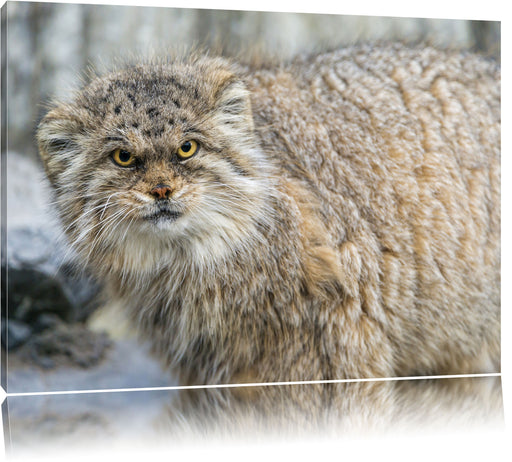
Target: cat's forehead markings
113, 138
187, 130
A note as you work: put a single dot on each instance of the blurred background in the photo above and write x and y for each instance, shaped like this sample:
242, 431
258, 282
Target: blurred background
52, 331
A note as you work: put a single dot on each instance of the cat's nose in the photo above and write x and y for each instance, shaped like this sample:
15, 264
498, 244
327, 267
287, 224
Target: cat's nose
161, 191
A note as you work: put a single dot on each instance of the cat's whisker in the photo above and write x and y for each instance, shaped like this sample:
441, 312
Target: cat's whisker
106, 205
64, 196
122, 214
85, 232
130, 223
73, 246
105, 228
81, 217
101, 223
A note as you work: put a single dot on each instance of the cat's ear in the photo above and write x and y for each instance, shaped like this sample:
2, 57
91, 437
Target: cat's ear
233, 105
58, 136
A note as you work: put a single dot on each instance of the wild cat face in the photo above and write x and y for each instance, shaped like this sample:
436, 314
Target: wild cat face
153, 160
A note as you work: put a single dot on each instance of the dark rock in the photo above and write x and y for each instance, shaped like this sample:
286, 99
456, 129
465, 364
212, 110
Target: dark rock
80, 289
126, 364
43, 283
71, 345
32, 293
46, 321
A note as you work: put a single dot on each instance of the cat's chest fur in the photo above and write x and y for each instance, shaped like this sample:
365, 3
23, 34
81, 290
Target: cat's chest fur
219, 320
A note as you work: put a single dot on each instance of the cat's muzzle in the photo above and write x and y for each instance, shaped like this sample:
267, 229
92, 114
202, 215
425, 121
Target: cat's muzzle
164, 212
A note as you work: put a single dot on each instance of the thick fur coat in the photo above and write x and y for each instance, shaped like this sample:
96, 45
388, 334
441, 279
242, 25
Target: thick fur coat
340, 218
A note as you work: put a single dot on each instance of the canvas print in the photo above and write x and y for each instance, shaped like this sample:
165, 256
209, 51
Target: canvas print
248, 198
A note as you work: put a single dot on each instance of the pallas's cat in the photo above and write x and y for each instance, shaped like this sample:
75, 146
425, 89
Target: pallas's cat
337, 216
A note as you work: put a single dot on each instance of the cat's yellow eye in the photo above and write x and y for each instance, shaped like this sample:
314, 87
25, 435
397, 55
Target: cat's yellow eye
123, 158
188, 149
